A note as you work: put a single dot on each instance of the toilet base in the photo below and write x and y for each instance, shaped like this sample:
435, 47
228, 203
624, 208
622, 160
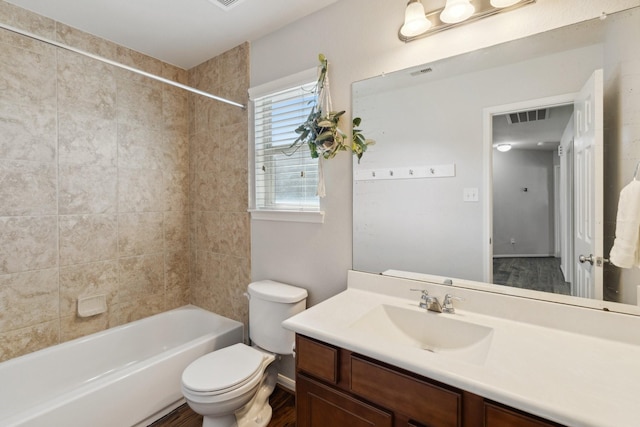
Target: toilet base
258, 412
225, 421
258, 419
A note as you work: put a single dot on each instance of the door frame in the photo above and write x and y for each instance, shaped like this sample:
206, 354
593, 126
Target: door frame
557, 222
487, 165
590, 188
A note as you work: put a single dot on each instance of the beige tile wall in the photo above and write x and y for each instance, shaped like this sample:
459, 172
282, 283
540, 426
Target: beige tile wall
94, 186
220, 240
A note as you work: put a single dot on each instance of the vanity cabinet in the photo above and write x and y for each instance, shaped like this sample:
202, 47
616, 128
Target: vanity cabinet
336, 387
318, 405
501, 416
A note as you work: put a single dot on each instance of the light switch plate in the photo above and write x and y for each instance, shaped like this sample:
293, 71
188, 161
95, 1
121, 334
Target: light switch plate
470, 194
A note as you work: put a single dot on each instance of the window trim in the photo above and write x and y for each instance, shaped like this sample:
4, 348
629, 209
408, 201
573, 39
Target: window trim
259, 91
315, 217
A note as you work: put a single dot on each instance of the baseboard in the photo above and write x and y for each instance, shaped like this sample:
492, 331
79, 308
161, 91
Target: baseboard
287, 382
523, 256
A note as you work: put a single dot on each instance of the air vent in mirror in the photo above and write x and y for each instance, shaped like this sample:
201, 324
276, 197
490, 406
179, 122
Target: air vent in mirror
528, 116
225, 4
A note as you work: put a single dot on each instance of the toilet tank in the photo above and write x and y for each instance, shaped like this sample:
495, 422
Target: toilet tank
271, 303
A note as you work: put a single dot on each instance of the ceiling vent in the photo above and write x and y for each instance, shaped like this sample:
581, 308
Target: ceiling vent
226, 4
528, 116
421, 71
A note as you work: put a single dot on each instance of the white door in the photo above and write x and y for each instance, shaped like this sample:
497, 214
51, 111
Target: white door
588, 180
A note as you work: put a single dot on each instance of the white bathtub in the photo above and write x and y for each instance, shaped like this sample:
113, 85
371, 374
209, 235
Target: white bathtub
121, 377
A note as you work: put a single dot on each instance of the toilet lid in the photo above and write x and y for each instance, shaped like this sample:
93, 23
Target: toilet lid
222, 369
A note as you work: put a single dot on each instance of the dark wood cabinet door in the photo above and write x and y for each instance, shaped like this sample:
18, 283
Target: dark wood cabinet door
317, 359
500, 416
320, 406
338, 388
425, 402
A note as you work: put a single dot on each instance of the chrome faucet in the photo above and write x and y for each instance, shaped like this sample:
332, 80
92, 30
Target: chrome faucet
431, 303
428, 302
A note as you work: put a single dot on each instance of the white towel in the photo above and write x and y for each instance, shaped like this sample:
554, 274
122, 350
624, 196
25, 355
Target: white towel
626, 246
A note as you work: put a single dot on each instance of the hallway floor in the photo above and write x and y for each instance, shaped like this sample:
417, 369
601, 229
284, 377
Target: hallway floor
535, 273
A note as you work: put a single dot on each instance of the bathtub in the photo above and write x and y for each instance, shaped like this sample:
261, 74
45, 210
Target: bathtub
125, 376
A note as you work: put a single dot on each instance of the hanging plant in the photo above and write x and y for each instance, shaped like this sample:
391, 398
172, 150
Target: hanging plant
321, 132
359, 143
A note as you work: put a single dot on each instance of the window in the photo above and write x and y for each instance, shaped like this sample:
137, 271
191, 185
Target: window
284, 179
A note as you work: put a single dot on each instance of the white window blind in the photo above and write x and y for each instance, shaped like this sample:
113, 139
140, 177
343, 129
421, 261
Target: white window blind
285, 179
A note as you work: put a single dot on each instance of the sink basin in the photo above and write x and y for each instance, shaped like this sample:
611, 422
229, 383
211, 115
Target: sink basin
433, 332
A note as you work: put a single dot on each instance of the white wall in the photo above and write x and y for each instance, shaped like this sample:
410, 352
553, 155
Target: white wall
525, 216
424, 225
622, 150
359, 38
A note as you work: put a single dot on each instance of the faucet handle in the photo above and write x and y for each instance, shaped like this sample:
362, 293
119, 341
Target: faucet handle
424, 292
423, 297
447, 304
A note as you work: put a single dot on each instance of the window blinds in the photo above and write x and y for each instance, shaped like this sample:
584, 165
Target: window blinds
285, 178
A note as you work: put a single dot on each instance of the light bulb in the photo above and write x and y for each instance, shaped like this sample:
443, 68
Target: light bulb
415, 20
456, 11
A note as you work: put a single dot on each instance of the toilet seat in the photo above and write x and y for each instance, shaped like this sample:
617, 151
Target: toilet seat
223, 371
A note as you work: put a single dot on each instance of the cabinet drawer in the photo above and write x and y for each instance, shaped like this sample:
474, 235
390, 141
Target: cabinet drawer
318, 405
424, 402
499, 416
317, 359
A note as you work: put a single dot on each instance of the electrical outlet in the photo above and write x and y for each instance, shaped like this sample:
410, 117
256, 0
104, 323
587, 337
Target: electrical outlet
470, 194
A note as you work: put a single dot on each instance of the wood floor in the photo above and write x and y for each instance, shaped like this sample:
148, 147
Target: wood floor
282, 401
536, 273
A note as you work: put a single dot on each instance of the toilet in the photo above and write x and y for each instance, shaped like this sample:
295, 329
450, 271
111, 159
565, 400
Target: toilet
230, 387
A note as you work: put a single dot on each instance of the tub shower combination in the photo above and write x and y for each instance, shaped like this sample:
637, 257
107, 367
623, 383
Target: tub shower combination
125, 376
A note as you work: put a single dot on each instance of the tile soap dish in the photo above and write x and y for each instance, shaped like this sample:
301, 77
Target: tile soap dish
90, 306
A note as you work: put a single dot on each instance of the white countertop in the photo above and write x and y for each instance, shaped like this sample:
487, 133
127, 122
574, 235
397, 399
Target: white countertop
568, 377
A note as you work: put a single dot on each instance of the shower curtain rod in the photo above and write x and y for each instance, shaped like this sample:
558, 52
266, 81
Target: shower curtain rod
119, 65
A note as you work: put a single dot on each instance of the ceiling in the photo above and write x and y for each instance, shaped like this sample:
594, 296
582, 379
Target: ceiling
535, 135
181, 32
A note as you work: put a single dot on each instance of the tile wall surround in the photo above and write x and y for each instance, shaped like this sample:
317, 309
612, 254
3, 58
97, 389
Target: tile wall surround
218, 174
95, 169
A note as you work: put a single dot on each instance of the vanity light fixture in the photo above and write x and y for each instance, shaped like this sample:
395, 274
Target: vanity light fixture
503, 3
457, 11
418, 24
415, 20
503, 148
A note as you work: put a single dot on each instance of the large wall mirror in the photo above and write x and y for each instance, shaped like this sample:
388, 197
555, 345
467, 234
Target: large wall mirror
477, 173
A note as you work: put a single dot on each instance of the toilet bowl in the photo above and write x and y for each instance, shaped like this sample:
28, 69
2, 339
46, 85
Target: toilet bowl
218, 384
230, 387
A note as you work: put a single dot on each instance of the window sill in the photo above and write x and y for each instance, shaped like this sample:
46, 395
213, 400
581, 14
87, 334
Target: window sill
288, 216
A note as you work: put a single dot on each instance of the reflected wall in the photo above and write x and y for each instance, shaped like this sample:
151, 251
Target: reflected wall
432, 115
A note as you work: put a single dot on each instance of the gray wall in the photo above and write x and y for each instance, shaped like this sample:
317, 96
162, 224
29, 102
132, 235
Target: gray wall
359, 38
622, 151
525, 216
423, 224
